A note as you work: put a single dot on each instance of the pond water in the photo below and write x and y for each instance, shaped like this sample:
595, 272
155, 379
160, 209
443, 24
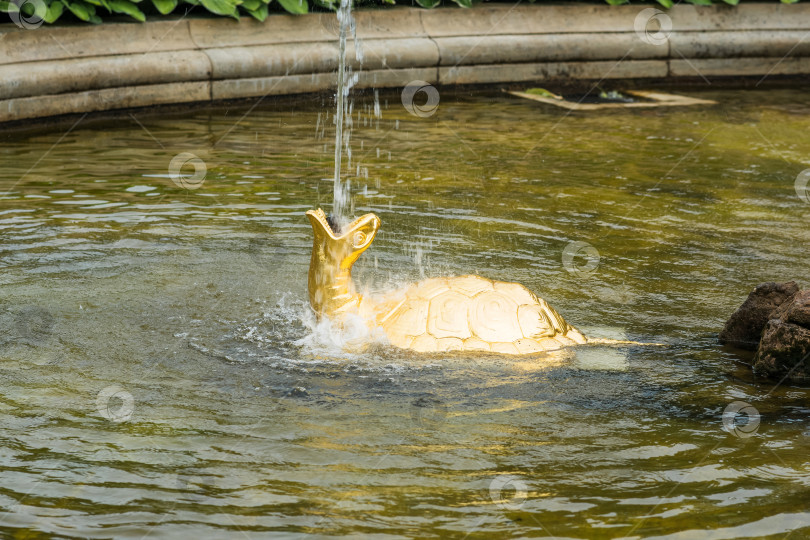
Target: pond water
161, 374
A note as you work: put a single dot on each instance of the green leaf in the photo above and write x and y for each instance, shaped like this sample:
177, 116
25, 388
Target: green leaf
617, 2
128, 8
542, 92
164, 6
332, 5
668, 3
464, 3
297, 7
251, 4
54, 11
80, 9
789, 1
732, 2
259, 14
221, 7
700, 2
429, 4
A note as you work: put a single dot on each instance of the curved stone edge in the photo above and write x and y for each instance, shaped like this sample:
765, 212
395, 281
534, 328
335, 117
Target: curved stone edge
104, 100
61, 70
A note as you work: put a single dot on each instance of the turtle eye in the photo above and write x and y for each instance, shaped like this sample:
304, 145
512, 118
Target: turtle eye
358, 239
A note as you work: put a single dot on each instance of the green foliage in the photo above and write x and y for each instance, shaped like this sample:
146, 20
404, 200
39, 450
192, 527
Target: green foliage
126, 7
82, 10
299, 7
164, 6
222, 7
255, 8
54, 12
92, 11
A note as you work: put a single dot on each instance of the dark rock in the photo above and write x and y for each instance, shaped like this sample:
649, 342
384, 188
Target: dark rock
784, 351
298, 391
744, 327
797, 311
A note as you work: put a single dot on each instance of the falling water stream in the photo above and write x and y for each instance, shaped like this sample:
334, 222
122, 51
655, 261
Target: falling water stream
346, 79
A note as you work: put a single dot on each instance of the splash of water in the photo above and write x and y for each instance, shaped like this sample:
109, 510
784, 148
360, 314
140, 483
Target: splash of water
343, 119
345, 340
322, 339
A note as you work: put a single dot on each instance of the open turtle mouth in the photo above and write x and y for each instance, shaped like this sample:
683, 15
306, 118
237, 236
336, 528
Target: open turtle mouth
332, 226
329, 222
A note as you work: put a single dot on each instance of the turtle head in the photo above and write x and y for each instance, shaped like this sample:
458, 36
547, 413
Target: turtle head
342, 245
334, 250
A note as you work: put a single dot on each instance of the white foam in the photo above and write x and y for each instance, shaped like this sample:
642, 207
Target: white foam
325, 338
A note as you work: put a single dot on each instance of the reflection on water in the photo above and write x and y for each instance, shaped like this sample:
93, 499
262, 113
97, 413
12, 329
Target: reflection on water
162, 375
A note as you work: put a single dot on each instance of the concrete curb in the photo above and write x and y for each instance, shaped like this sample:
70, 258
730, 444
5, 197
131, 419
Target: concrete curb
62, 70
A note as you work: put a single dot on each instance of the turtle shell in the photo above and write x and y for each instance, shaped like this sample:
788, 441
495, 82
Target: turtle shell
471, 313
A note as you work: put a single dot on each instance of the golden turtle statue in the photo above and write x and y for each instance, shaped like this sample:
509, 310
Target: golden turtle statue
466, 313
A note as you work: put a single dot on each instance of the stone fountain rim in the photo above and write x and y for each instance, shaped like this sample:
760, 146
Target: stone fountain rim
189, 60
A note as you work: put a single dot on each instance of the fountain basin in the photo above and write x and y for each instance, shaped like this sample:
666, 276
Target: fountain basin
161, 374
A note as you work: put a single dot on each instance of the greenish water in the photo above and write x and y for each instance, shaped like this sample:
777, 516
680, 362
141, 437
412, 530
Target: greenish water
236, 416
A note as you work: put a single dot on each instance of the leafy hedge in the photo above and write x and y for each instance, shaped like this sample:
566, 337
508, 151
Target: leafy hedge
92, 10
